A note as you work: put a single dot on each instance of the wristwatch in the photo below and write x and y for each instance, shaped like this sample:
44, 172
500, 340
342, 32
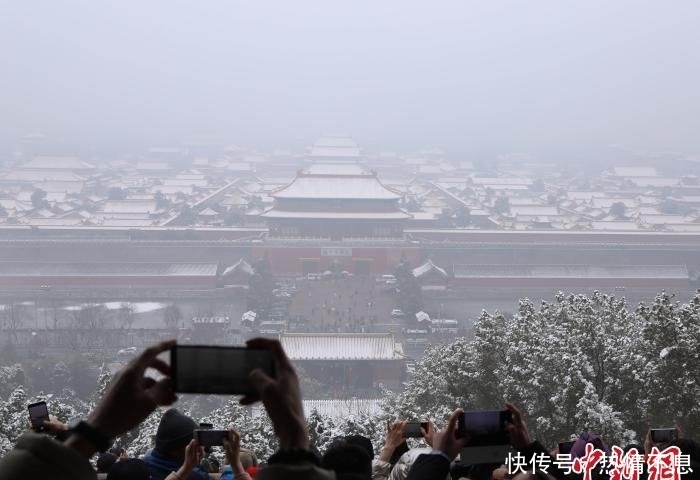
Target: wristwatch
101, 441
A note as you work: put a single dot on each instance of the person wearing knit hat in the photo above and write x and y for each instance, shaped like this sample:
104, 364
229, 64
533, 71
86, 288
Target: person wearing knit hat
175, 431
129, 469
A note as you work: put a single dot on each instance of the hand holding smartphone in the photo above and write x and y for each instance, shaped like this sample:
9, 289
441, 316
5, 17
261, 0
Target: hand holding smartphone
210, 438
486, 439
413, 429
484, 427
565, 447
38, 414
663, 435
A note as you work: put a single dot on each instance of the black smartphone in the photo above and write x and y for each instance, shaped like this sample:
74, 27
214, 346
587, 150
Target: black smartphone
38, 413
216, 369
210, 438
565, 447
663, 435
484, 427
412, 429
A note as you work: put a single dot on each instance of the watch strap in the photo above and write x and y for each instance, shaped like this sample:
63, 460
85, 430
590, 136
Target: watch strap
101, 441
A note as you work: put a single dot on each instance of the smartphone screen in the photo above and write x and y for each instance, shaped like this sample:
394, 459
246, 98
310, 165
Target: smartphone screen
412, 429
38, 413
565, 447
485, 427
210, 438
663, 435
215, 369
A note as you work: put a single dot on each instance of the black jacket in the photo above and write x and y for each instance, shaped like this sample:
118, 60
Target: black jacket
429, 467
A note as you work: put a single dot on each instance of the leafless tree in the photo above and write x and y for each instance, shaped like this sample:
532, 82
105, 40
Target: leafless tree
172, 316
126, 315
15, 315
89, 317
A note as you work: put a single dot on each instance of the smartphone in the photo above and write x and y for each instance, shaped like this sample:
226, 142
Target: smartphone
210, 438
484, 427
412, 429
38, 413
663, 435
565, 447
216, 369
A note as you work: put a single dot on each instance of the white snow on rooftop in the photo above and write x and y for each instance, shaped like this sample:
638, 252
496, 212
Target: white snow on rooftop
341, 346
635, 172
572, 271
241, 265
336, 169
427, 267
43, 176
49, 162
126, 206
275, 213
361, 187
335, 147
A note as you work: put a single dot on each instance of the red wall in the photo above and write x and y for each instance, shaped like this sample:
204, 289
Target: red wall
92, 281
287, 260
571, 282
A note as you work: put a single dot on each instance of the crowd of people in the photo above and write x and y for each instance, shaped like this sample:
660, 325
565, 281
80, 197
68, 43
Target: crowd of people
65, 452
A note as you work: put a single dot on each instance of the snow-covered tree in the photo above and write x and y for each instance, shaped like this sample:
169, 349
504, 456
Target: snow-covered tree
103, 380
11, 377
443, 380
14, 419
569, 364
321, 430
5, 445
140, 440
671, 372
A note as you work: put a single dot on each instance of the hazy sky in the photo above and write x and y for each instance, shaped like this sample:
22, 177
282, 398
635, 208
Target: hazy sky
510, 75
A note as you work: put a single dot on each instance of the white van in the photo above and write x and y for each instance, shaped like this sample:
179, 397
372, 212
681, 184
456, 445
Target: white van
272, 327
444, 325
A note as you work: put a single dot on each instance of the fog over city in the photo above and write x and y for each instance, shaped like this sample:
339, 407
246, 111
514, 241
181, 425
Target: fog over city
549, 76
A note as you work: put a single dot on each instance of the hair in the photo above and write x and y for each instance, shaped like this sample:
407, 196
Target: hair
105, 462
248, 458
361, 441
688, 447
348, 459
129, 469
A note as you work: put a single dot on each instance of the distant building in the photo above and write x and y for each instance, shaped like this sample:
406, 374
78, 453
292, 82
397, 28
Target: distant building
358, 361
335, 150
335, 202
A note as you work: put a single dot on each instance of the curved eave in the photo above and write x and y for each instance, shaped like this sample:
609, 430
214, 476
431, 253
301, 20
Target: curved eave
283, 214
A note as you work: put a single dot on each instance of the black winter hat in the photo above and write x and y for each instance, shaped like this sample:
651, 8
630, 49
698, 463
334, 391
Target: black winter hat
129, 469
105, 462
174, 431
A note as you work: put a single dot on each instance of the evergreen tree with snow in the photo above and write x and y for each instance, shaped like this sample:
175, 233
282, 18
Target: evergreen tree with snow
670, 374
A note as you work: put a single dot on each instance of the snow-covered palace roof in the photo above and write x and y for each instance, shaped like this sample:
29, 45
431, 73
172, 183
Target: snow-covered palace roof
341, 346
428, 267
338, 186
